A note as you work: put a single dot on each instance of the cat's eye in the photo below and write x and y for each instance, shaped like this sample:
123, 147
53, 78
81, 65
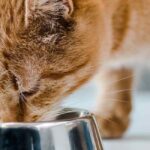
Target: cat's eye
29, 93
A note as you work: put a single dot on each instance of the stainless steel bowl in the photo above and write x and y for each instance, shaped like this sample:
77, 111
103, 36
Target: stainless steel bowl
72, 130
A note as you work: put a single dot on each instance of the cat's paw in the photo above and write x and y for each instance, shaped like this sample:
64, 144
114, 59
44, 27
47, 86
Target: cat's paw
113, 127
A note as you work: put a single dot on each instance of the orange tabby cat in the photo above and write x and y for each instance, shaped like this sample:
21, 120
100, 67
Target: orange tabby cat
49, 48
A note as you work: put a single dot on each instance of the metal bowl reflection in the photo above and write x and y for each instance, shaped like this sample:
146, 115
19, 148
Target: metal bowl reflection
74, 129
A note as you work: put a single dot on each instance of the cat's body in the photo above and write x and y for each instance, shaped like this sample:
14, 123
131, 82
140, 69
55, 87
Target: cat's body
129, 28
49, 48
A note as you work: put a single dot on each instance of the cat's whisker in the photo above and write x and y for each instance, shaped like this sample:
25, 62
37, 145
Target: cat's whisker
116, 81
120, 91
115, 100
121, 79
55, 110
39, 111
28, 105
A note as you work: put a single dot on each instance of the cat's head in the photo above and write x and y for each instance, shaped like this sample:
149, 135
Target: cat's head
51, 51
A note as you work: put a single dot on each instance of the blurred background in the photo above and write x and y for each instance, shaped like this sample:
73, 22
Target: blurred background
138, 135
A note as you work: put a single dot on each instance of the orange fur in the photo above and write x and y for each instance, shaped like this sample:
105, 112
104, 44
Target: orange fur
44, 53
49, 48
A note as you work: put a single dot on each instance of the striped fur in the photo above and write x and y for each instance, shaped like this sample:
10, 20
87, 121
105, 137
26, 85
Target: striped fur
49, 48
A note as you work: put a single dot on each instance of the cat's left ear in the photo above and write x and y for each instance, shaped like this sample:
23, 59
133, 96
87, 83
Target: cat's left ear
65, 5
68, 4
32, 4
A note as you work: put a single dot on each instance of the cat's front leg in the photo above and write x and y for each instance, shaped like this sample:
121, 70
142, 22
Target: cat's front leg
114, 104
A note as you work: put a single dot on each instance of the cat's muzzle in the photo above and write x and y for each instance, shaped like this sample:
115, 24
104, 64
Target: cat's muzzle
72, 130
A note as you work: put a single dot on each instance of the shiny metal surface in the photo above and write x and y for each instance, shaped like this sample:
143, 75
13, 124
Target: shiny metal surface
73, 130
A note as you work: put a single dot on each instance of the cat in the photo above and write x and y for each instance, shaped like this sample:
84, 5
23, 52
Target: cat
49, 48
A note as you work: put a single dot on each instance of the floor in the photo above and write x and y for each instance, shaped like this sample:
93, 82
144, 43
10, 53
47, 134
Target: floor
138, 135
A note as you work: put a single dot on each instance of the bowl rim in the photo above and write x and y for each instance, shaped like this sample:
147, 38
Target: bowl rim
82, 114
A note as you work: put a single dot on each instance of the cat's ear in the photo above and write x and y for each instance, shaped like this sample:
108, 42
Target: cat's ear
65, 5
68, 4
